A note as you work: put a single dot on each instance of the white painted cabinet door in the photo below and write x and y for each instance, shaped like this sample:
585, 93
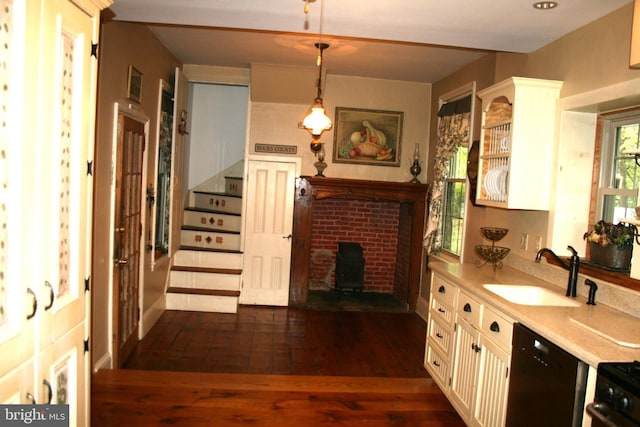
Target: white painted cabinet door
268, 227
490, 407
464, 369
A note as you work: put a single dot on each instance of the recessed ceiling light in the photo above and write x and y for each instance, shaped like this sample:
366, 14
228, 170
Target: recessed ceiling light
544, 5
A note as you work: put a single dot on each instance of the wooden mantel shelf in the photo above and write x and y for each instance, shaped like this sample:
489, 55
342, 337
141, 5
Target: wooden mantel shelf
311, 188
323, 188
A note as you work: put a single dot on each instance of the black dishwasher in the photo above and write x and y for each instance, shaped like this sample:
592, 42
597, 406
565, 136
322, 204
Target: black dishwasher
546, 384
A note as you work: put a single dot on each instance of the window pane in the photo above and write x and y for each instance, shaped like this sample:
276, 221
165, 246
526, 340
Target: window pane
453, 216
625, 174
616, 207
458, 164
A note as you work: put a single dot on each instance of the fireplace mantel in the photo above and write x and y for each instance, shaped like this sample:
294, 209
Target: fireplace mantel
309, 188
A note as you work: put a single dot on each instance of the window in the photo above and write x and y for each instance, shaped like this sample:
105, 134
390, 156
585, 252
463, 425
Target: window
620, 173
455, 190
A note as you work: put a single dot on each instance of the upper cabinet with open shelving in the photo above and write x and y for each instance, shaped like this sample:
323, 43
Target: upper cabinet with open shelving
517, 143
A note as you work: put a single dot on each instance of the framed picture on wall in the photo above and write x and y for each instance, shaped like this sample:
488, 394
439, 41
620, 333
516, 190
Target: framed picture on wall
134, 84
368, 137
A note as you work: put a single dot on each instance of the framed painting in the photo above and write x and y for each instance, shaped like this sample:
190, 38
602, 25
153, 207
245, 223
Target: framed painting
367, 137
134, 84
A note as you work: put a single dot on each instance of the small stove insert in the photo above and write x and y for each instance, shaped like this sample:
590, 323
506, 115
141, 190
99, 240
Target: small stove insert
349, 266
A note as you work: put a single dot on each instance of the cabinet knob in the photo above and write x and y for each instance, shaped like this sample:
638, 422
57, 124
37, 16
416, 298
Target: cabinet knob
441, 289
441, 310
439, 335
467, 308
495, 327
435, 362
52, 295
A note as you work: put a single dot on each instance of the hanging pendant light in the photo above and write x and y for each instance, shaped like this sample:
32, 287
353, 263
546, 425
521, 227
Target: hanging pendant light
317, 121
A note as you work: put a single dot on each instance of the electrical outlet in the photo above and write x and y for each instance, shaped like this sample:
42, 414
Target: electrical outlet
524, 241
538, 243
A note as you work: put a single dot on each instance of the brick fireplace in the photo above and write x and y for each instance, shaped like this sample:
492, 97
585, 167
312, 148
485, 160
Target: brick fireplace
386, 218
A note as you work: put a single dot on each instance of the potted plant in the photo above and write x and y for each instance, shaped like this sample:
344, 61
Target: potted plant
611, 245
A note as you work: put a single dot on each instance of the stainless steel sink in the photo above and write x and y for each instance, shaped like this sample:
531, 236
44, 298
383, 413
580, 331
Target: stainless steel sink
530, 295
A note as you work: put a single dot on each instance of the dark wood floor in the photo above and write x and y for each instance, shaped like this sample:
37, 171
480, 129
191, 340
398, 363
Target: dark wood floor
275, 366
285, 341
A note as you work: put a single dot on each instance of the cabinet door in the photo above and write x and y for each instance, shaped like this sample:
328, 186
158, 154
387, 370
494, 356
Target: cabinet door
493, 382
65, 145
465, 362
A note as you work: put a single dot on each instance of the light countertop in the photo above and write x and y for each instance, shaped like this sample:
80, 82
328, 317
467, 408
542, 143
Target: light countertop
571, 328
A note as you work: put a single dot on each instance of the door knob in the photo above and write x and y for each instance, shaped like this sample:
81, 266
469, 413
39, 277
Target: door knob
121, 261
287, 237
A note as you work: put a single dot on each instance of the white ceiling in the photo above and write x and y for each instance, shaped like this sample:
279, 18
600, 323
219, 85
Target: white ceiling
419, 40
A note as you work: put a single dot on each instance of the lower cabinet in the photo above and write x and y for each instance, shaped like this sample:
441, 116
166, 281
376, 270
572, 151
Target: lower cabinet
477, 365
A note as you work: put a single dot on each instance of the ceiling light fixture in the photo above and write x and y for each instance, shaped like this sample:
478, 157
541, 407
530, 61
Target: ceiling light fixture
317, 121
545, 5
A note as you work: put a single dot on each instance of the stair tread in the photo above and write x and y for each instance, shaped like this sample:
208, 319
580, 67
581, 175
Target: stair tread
207, 229
214, 211
217, 193
198, 248
210, 292
206, 269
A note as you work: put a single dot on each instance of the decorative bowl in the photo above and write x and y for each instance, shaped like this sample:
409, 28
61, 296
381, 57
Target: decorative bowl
491, 253
494, 233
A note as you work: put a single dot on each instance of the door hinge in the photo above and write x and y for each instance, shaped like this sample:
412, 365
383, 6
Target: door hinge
90, 167
86, 283
86, 345
94, 50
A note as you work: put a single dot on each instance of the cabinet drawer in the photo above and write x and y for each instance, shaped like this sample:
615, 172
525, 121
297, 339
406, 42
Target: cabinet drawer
498, 328
441, 311
469, 309
439, 336
438, 367
443, 291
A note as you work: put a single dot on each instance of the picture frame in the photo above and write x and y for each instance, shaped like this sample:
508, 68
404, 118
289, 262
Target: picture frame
134, 84
367, 137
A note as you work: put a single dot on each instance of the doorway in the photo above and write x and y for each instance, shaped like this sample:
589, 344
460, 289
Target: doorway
127, 235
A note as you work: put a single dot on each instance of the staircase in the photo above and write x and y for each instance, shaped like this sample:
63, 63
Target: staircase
207, 270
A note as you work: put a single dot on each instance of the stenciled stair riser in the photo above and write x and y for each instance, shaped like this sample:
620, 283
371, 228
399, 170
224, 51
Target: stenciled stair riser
233, 186
210, 240
218, 202
206, 303
202, 280
213, 221
188, 258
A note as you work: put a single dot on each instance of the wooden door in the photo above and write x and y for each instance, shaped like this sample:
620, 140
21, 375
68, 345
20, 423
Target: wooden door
127, 236
268, 228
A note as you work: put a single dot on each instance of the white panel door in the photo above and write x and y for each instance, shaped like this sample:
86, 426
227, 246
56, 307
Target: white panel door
268, 227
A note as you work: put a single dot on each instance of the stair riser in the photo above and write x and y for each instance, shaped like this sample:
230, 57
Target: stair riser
205, 303
218, 202
210, 281
210, 240
212, 221
186, 258
233, 186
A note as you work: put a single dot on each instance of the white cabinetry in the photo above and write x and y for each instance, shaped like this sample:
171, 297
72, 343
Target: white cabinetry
474, 370
517, 145
47, 150
439, 349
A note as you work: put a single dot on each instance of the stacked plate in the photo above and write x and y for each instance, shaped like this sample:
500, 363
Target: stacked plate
495, 183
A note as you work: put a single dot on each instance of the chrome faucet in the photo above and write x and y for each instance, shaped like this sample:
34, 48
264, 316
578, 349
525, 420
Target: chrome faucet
572, 266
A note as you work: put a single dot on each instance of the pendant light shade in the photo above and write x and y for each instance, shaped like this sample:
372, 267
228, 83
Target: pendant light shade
317, 120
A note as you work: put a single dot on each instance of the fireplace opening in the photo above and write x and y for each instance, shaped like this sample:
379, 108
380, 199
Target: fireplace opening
349, 267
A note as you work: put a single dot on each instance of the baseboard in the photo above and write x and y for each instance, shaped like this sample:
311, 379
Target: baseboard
151, 316
103, 363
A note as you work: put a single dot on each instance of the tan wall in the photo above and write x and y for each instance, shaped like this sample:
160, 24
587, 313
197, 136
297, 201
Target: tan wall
590, 58
275, 120
123, 44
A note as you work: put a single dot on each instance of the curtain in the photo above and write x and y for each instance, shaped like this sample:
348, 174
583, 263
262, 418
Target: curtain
453, 132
